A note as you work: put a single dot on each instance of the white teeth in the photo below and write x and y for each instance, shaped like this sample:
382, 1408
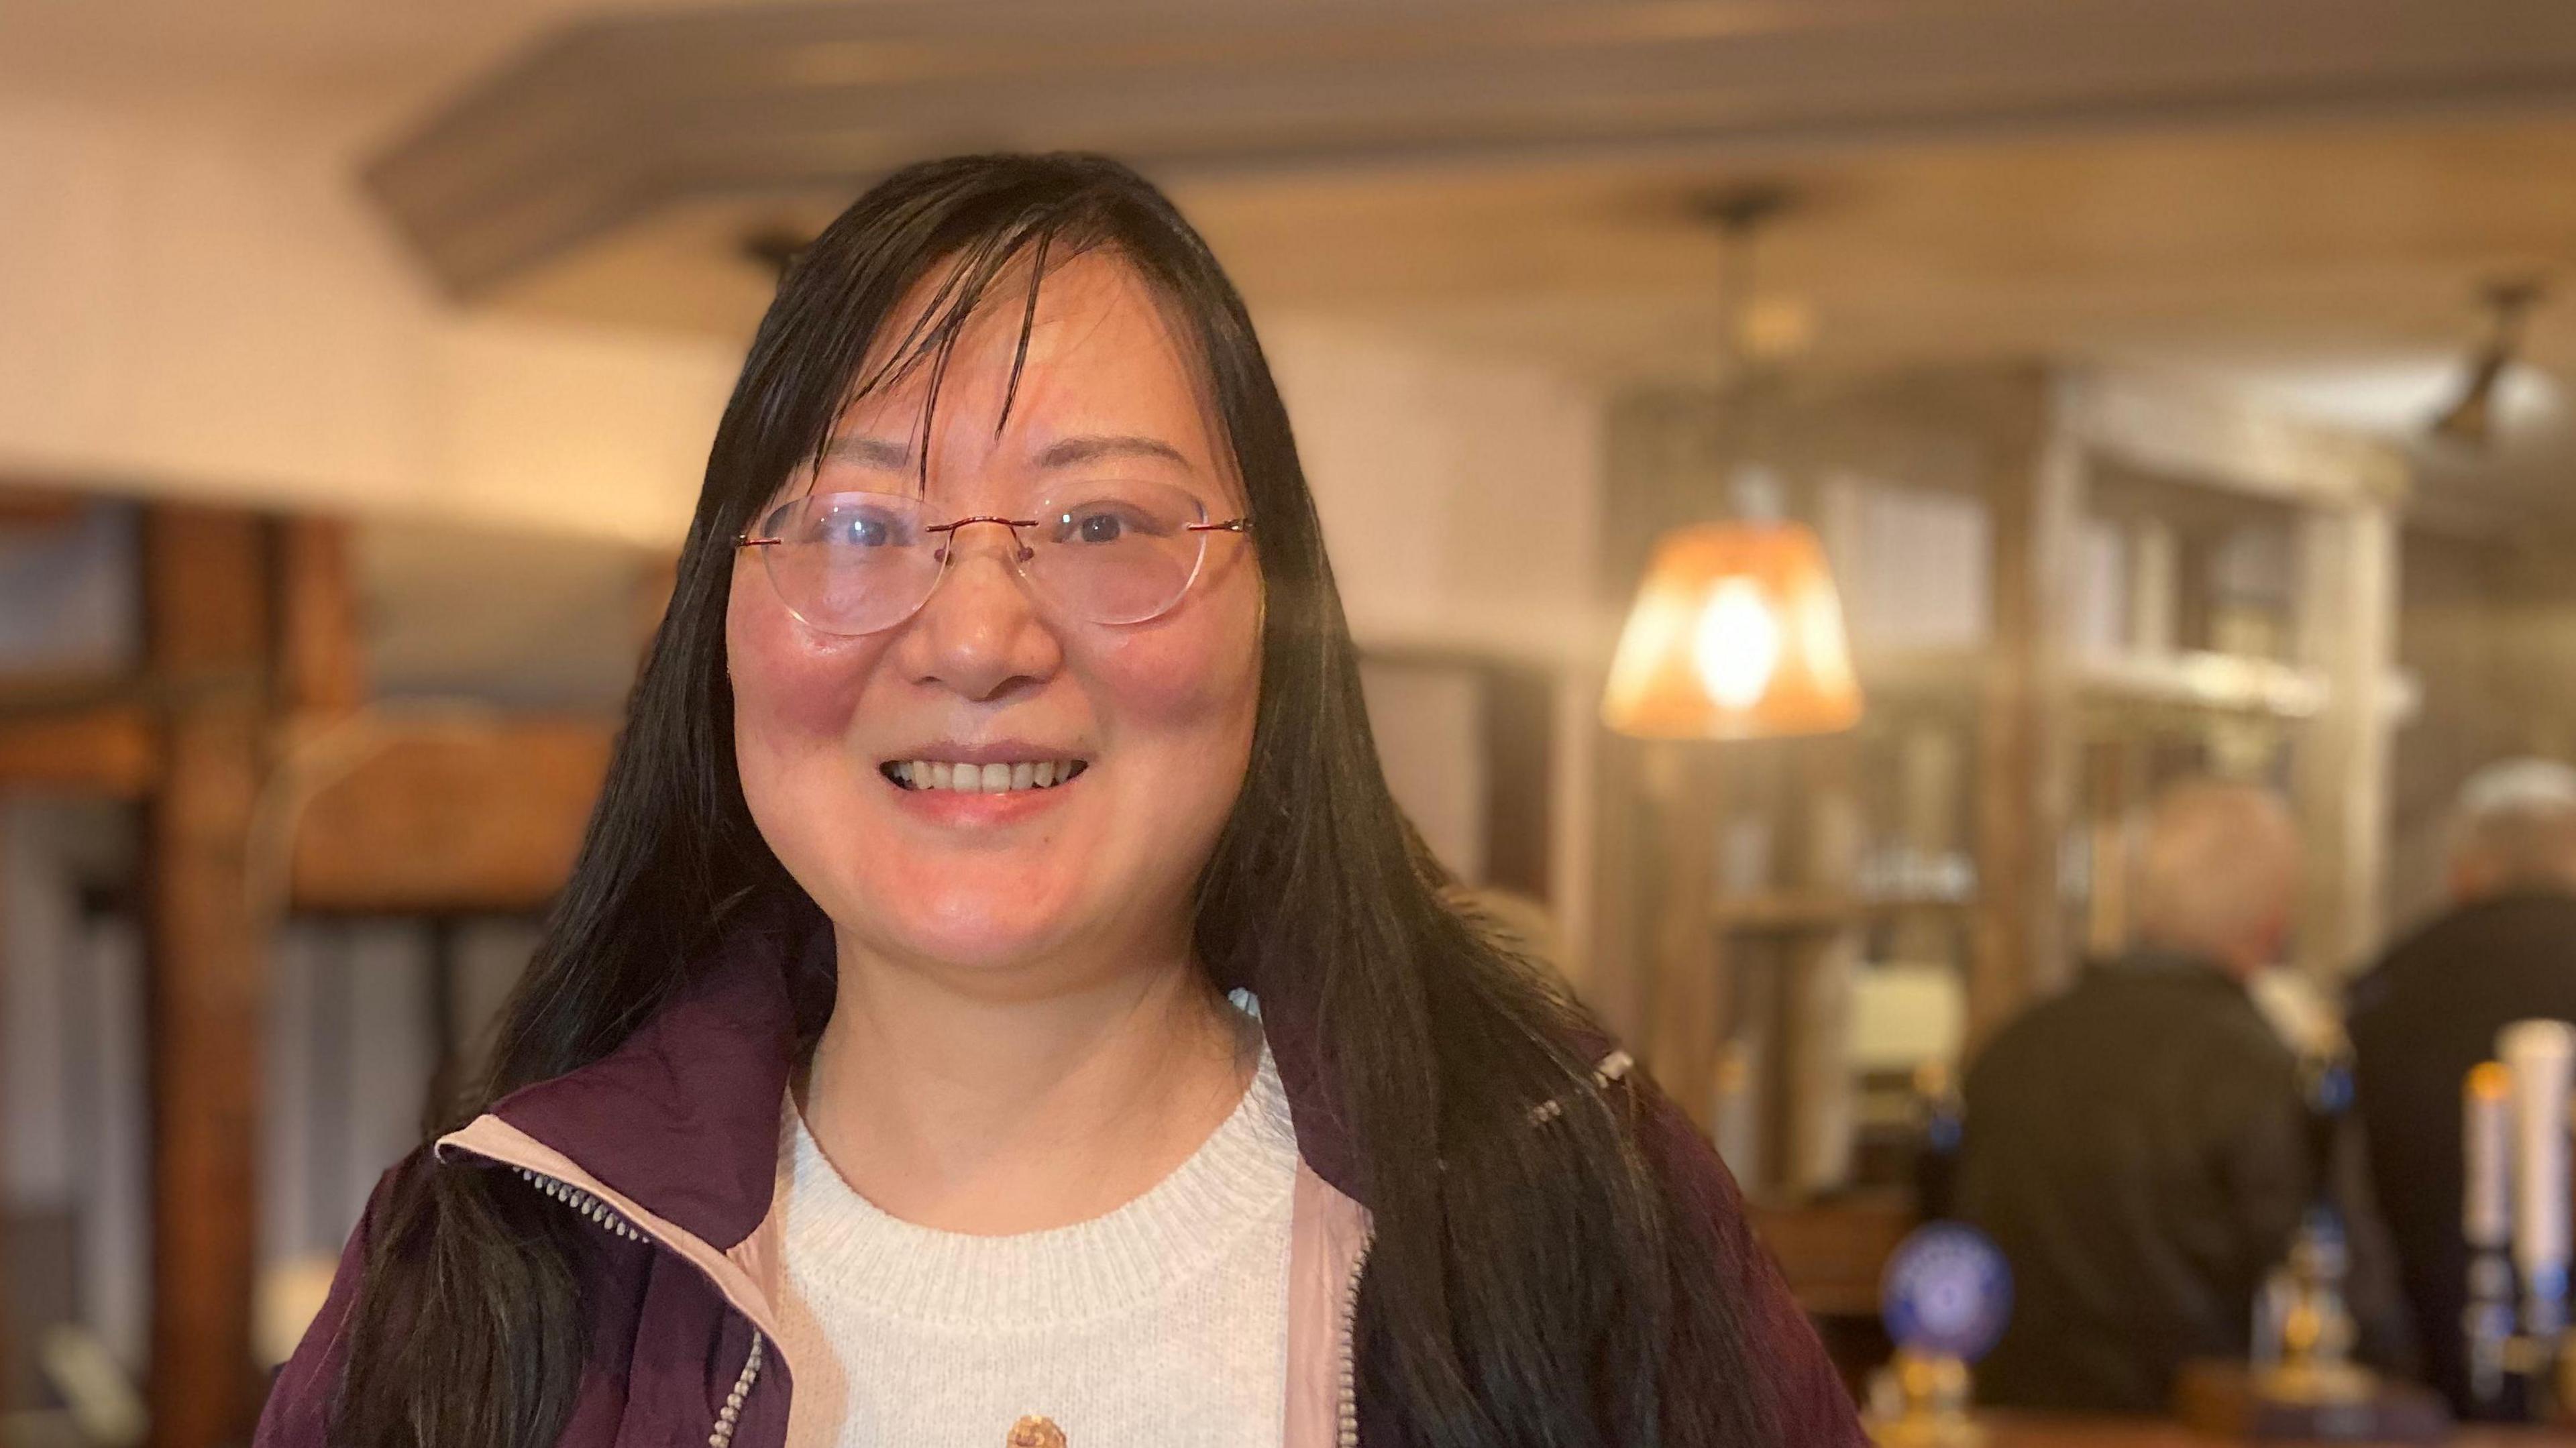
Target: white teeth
982, 778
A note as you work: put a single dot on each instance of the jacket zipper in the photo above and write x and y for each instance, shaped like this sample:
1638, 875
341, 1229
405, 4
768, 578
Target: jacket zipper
1347, 1414
731, 1413
600, 1214
584, 1204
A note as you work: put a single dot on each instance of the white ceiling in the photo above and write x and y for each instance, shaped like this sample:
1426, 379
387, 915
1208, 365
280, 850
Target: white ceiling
2327, 254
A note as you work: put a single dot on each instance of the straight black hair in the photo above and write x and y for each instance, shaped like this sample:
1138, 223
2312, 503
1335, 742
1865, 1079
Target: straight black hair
1533, 1290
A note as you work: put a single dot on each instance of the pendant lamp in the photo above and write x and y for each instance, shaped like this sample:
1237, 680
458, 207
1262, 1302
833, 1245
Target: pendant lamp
1737, 631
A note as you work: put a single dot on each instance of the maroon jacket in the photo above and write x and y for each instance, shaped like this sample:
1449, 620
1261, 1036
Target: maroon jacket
669, 1144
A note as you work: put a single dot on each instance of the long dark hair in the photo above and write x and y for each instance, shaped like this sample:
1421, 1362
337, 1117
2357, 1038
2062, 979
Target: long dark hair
1530, 1290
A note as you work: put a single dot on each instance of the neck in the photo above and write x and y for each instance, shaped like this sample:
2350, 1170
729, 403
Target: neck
967, 1110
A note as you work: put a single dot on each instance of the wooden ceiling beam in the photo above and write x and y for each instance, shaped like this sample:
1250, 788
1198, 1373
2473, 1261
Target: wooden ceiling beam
617, 117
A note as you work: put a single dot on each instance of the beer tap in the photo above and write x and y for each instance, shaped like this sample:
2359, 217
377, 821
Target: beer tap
2486, 1221
2539, 1056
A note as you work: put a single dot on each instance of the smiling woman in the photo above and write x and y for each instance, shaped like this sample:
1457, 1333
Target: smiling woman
998, 1000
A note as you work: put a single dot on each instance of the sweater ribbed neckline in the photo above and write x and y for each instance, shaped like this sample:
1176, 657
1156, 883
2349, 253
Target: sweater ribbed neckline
846, 1251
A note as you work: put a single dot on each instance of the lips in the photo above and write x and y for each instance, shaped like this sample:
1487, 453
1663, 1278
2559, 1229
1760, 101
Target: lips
994, 776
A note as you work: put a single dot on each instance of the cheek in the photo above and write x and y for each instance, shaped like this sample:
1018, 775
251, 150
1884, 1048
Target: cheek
790, 683
1191, 685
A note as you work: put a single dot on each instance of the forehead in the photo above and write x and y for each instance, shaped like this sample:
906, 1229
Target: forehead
1104, 356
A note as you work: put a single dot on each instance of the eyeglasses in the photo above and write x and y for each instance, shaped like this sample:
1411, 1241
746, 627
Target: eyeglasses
1114, 552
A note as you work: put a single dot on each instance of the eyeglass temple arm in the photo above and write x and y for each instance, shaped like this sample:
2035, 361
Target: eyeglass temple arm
1230, 525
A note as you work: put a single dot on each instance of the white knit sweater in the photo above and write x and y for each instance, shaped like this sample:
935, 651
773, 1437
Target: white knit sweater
1161, 1325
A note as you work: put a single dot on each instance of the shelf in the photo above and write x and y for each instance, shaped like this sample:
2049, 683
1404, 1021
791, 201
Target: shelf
2200, 680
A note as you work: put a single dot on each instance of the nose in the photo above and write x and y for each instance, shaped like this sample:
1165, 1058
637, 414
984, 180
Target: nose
980, 634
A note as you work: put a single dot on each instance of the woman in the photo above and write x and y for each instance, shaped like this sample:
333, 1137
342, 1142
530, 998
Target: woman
997, 1000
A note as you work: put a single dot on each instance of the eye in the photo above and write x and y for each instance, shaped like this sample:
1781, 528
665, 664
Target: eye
862, 530
1108, 520
861, 526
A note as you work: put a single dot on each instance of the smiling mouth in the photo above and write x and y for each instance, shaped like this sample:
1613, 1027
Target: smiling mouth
925, 774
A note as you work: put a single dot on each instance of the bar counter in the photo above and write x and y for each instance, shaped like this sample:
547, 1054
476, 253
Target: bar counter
2049, 1430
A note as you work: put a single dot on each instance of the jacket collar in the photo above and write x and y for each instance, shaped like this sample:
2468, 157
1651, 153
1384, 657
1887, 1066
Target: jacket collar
682, 1117
2164, 965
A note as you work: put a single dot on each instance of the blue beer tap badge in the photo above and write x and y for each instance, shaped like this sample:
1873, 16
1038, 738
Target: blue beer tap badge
1947, 1292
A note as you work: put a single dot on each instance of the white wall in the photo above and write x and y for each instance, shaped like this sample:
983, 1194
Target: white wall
1460, 496
215, 311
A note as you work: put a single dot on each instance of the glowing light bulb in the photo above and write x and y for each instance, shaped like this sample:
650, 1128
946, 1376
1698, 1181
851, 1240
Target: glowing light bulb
1736, 647
1735, 634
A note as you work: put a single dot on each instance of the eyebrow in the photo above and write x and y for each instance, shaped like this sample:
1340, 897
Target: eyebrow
1073, 451
877, 452
874, 452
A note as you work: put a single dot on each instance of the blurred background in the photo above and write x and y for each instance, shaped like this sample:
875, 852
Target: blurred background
2173, 386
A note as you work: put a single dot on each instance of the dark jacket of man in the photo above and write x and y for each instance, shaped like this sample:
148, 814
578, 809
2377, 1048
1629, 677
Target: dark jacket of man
2419, 1020
2139, 1149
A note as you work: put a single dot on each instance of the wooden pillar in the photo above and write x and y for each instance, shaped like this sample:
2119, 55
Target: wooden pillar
2348, 630
1684, 1015
1818, 1095
2107, 809
321, 653
2024, 770
207, 615
1517, 719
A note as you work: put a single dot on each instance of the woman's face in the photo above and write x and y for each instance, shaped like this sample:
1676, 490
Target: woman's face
1094, 873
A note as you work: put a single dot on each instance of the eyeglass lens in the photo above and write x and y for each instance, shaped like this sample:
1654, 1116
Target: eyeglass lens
1114, 552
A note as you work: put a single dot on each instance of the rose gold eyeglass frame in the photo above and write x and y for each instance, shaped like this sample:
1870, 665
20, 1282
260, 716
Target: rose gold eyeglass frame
1240, 526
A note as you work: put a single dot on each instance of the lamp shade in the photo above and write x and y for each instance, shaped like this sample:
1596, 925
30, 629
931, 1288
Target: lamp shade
1737, 633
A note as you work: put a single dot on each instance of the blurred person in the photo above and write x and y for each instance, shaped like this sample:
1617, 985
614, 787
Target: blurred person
2428, 1010
998, 999
2139, 1146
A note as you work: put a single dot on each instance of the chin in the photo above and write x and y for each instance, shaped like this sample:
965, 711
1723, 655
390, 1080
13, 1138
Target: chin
977, 917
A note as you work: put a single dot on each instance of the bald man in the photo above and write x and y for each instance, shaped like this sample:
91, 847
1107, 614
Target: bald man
2504, 951
2138, 1146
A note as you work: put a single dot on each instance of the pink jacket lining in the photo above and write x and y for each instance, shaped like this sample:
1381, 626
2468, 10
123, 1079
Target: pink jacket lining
1328, 1232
